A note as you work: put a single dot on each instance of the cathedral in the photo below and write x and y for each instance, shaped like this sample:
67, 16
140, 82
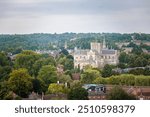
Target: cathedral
97, 56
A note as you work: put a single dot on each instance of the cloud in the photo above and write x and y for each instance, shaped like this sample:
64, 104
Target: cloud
74, 15
48, 7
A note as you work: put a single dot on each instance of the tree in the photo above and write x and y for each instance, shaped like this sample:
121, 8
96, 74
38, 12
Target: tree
4, 61
4, 89
4, 72
75, 84
41, 62
101, 80
137, 71
64, 78
147, 71
48, 74
66, 61
137, 50
78, 93
64, 51
38, 86
123, 58
117, 93
140, 62
26, 59
89, 75
107, 71
20, 82
122, 65
55, 88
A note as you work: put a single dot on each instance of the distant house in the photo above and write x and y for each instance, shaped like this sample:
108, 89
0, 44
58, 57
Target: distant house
95, 91
120, 45
34, 96
53, 53
55, 97
145, 51
127, 50
141, 93
147, 43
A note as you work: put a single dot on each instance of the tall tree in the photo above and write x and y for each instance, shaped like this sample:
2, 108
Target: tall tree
107, 71
3, 59
55, 88
48, 74
41, 62
89, 75
26, 59
20, 82
78, 93
123, 58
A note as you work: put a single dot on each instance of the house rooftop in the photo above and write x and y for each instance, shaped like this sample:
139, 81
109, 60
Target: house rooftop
107, 51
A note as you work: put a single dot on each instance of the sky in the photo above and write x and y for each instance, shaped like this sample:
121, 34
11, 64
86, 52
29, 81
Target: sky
59, 16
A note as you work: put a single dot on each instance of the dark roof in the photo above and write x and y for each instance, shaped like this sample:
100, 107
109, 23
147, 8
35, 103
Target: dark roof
106, 51
81, 52
76, 76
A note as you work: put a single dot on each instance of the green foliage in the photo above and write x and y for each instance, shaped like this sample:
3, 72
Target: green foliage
89, 75
66, 61
26, 59
107, 71
137, 71
4, 89
75, 84
125, 79
20, 82
11, 96
4, 72
140, 62
78, 94
123, 57
101, 80
41, 62
64, 78
38, 86
57, 89
46, 41
117, 93
48, 74
4, 61
133, 60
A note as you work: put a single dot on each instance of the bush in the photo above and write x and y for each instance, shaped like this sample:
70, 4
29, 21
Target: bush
117, 93
78, 94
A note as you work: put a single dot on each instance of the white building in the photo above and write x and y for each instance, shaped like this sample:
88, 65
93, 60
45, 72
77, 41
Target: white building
98, 56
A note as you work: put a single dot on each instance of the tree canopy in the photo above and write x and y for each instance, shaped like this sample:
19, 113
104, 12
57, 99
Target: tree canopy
20, 82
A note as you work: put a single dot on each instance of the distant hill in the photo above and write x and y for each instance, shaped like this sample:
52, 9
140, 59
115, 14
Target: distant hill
13, 43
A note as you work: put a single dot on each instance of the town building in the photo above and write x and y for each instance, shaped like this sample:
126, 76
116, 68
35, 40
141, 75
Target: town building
98, 56
127, 50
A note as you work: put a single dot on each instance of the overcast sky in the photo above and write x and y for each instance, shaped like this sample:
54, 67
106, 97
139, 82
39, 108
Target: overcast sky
50, 16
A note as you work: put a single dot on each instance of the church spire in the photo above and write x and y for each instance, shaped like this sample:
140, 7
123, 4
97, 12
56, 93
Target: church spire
104, 43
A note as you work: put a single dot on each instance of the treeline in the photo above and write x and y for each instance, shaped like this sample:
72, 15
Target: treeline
125, 79
106, 76
133, 60
16, 43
